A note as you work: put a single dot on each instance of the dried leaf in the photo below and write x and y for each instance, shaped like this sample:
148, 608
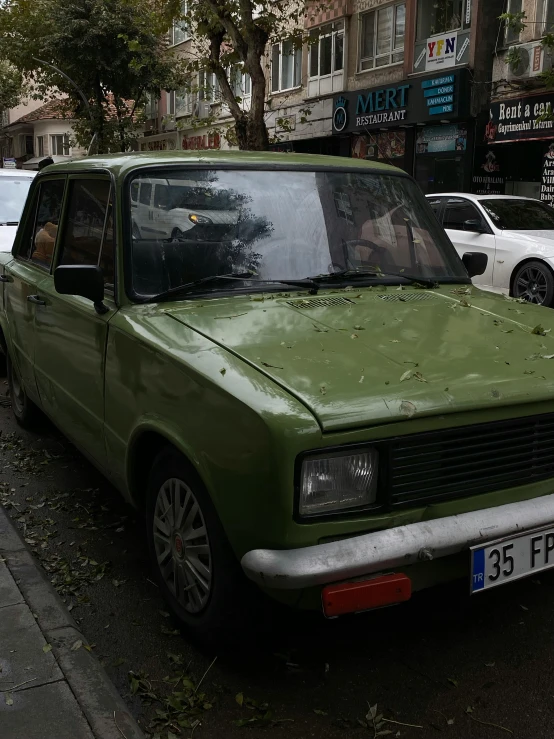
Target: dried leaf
490, 664
465, 304
539, 330
239, 697
9, 699
170, 632
418, 376
319, 712
453, 682
47, 648
407, 408
223, 371
323, 389
272, 366
354, 336
406, 375
76, 645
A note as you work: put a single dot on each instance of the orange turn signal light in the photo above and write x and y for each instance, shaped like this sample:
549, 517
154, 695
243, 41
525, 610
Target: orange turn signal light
352, 597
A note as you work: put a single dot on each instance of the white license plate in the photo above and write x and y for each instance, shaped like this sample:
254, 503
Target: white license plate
511, 559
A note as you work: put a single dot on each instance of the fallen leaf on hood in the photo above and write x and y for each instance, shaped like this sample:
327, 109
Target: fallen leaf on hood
407, 408
223, 371
465, 304
418, 376
406, 375
272, 366
539, 330
354, 336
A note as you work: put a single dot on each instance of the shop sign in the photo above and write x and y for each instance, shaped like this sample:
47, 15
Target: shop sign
8, 163
519, 119
158, 145
440, 51
410, 101
434, 139
488, 178
547, 180
205, 141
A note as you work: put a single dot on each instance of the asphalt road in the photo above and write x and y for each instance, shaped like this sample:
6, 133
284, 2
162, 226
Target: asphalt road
443, 664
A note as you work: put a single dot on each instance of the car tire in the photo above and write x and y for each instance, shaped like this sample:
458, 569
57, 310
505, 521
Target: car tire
205, 590
534, 281
25, 411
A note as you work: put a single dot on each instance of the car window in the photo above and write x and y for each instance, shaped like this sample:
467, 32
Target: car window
88, 231
436, 205
459, 211
41, 228
145, 193
134, 191
13, 192
161, 196
520, 215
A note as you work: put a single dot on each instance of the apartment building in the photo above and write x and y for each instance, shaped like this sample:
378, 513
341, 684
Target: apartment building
516, 141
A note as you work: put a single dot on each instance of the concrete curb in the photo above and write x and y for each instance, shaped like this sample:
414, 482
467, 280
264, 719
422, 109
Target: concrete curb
103, 707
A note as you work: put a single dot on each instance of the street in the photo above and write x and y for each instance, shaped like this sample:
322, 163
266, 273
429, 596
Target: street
443, 664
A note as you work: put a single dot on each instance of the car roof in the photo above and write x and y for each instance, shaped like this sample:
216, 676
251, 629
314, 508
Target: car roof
477, 198
4, 172
121, 164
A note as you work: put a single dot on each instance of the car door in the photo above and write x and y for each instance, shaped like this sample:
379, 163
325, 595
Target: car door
71, 335
468, 230
33, 252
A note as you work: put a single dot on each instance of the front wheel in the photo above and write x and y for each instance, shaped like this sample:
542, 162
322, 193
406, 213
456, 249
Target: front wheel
197, 572
534, 282
24, 410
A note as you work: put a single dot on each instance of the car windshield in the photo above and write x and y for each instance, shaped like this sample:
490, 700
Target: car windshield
13, 192
281, 225
519, 215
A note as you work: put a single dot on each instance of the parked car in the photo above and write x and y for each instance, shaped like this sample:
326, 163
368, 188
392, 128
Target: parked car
14, 186
516, 234
319, 402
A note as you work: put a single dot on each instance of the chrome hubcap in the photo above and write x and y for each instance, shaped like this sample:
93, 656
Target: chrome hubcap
182, 545
531, 285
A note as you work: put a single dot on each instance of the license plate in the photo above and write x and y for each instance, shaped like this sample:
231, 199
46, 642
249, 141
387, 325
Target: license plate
511, 559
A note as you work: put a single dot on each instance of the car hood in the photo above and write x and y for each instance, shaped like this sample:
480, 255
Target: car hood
7, 237
364, 357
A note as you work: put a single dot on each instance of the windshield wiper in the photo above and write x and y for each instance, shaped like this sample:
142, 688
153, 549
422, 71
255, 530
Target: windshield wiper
350, 273
239, 276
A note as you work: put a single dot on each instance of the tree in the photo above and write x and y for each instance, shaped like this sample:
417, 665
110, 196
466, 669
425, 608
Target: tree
231, 33
12, 87
113, 50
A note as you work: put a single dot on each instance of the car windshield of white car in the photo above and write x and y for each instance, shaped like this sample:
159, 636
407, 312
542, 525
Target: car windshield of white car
520, 215
13, 192
281, 226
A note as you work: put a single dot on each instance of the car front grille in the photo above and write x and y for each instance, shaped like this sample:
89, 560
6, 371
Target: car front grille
470, 460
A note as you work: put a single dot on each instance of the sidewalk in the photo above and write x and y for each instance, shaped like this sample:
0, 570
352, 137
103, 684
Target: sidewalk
50, 684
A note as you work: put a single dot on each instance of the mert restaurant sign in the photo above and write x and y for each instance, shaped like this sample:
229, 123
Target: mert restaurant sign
518, 119
407, 102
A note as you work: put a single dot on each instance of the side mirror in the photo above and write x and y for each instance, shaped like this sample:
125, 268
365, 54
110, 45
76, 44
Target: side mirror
85, 280
475, 263
475, 225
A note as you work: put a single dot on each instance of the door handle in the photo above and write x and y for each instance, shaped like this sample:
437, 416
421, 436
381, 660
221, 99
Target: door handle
6, 278
36, 300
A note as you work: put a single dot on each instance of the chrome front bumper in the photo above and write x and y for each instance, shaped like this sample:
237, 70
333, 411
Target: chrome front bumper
291, 569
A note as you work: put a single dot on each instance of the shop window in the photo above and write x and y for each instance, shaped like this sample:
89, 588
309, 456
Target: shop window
382, 36
344, 207
286, 66
327, 50
459, 211
545, 17
511, 36
438, 16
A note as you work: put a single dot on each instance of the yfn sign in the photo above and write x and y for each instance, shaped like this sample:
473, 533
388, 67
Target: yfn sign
440, 52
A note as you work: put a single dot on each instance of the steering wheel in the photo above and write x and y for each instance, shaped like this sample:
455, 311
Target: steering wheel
353, 243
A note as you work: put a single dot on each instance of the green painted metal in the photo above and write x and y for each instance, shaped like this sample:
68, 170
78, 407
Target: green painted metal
242, 385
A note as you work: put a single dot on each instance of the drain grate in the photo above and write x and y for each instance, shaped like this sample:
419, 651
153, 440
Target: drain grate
406, 297
319, 302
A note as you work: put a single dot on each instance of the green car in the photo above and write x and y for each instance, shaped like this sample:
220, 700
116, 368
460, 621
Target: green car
280, 360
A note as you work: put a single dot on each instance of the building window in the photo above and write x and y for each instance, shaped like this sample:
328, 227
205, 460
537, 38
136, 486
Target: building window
208, 87
184, 101
511, 35
40, 146
151, 107
382, 36
343, 207
545, 18
438, 16
180, 31
60, 145
286, 66
241, 83
327, 50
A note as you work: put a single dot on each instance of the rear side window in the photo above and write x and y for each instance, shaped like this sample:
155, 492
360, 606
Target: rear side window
88, 231
41, 228
145, 194
436, 206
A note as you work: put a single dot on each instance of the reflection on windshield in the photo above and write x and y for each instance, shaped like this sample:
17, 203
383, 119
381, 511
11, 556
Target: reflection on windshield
13, 192
520, 215
281, 225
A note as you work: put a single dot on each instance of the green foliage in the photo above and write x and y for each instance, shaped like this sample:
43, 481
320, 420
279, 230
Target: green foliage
513, 58
514, 21
12, 87
113, 50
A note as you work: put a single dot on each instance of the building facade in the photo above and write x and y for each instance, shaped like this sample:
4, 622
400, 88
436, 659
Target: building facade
515, 141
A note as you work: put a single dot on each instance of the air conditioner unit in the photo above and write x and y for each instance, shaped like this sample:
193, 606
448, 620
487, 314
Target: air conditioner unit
533, 60
201, 109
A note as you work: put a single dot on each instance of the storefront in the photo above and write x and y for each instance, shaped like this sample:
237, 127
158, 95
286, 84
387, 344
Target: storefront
421, 125
514, 152
191, 140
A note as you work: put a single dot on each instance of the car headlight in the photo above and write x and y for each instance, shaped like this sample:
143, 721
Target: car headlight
199, 220
338, 481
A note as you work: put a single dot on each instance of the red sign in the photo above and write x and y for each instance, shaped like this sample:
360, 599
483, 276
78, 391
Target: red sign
201, 142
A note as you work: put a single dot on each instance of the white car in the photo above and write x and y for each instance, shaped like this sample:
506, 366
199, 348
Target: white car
14, 186
517, 235
168, 209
